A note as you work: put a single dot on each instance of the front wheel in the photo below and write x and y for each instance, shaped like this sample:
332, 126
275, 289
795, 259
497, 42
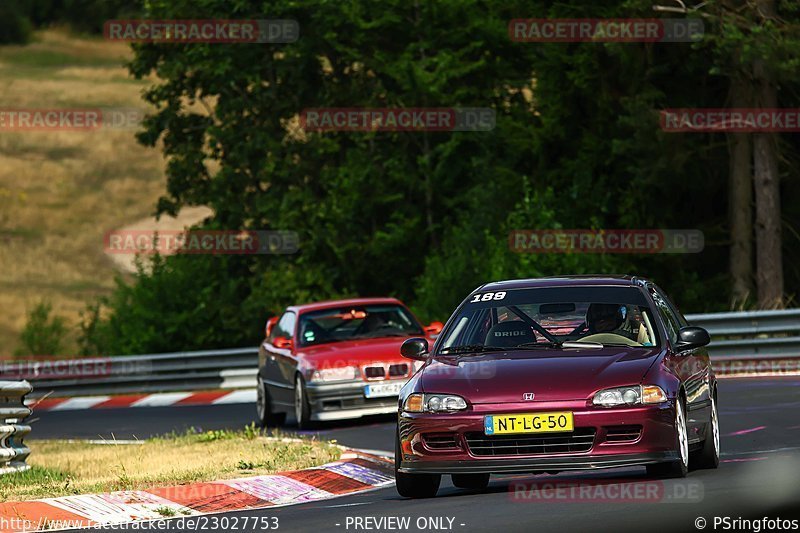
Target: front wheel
679, 468
708, 455
414, 485
302, 409
264, 414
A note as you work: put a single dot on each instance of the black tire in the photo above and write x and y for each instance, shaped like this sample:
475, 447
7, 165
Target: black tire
708, 455
302, 409
264, 415
679, 468
471, 481
414, 485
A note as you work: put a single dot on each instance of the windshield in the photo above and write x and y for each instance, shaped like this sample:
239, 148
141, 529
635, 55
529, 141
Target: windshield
359, 322
610, 316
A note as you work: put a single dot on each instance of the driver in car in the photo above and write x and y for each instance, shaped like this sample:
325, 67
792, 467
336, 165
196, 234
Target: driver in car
606, 318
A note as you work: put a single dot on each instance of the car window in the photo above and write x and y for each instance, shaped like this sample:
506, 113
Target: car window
520, 317
681, 319
356, 322
671, 322
284, 327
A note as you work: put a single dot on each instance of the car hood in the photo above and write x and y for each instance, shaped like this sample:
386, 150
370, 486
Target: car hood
568, 374
356, 352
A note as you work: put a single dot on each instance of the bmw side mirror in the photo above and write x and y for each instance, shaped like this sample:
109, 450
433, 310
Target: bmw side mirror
270, 324
691, 337
283, 343
416, 349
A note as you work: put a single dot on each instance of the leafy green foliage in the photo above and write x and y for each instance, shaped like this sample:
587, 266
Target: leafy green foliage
419, 215
43, 334
15, 27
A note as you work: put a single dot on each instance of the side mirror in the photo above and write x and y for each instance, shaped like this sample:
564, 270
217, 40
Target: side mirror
283, 343
270, 324
434, 328
416, 349
691, 337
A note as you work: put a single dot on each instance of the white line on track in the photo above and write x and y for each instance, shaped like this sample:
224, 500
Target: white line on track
346, 505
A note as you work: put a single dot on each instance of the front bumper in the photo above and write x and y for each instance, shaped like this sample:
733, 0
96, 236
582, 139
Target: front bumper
346, 400
654, 443
524, 465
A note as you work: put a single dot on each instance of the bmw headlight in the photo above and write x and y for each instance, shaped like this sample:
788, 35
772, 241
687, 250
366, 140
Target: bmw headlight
633, 395
343, 373
434, 403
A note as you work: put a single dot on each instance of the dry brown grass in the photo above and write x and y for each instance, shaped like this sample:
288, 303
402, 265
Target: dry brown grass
61, 468
61, 191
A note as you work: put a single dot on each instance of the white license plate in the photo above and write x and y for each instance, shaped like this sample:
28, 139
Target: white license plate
382, 390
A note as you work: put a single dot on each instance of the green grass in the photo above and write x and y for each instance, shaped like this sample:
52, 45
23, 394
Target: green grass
61, 468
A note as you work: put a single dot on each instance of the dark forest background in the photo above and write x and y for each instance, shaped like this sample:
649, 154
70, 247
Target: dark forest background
425, 216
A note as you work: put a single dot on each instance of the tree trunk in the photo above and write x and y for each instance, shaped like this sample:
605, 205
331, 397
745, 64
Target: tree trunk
740, 202
769, 257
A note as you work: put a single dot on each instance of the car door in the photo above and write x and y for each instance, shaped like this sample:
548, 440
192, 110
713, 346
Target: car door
691, 366
280, 364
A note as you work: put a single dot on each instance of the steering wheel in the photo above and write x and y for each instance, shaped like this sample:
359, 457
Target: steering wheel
609, 338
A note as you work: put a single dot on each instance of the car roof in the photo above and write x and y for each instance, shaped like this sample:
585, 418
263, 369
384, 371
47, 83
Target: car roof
315, 306
564, 281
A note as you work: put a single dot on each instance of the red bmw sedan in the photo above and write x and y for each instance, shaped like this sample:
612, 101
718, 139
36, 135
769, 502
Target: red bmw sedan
336, 360
554, 374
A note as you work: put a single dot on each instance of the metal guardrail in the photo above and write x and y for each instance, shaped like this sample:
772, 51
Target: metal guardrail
127, 374
752, 334
748, 335
12, 412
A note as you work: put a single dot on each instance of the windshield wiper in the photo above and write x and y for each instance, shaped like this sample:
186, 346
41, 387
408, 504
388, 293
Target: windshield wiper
538, 344
467, 348
560, 345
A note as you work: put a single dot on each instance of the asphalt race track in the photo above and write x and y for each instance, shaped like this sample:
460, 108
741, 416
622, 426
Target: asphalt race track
759, 474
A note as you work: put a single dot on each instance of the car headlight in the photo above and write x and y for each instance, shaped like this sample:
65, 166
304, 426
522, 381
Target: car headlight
434, 403
633, 395
342, 373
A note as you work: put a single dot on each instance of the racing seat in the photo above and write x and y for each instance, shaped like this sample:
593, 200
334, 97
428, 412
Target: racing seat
510, 333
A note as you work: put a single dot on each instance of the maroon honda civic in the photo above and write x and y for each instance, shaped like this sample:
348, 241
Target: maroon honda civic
555, 374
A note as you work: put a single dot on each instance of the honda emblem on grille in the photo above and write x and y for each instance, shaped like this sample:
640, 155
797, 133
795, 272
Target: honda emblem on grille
527, 396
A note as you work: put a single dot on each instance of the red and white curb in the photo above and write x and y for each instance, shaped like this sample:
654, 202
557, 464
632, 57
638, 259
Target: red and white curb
353, 472
164, 399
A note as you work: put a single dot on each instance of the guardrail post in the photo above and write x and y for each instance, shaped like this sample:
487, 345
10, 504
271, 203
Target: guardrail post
13, 411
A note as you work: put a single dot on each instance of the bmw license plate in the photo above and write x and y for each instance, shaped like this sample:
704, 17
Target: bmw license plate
528, 423
383, 390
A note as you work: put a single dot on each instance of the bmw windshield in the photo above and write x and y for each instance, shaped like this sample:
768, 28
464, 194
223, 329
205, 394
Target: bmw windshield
551, 317
360, 322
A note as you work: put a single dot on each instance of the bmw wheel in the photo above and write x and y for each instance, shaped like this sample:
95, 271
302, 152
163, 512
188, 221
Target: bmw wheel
302, 409
265, 416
